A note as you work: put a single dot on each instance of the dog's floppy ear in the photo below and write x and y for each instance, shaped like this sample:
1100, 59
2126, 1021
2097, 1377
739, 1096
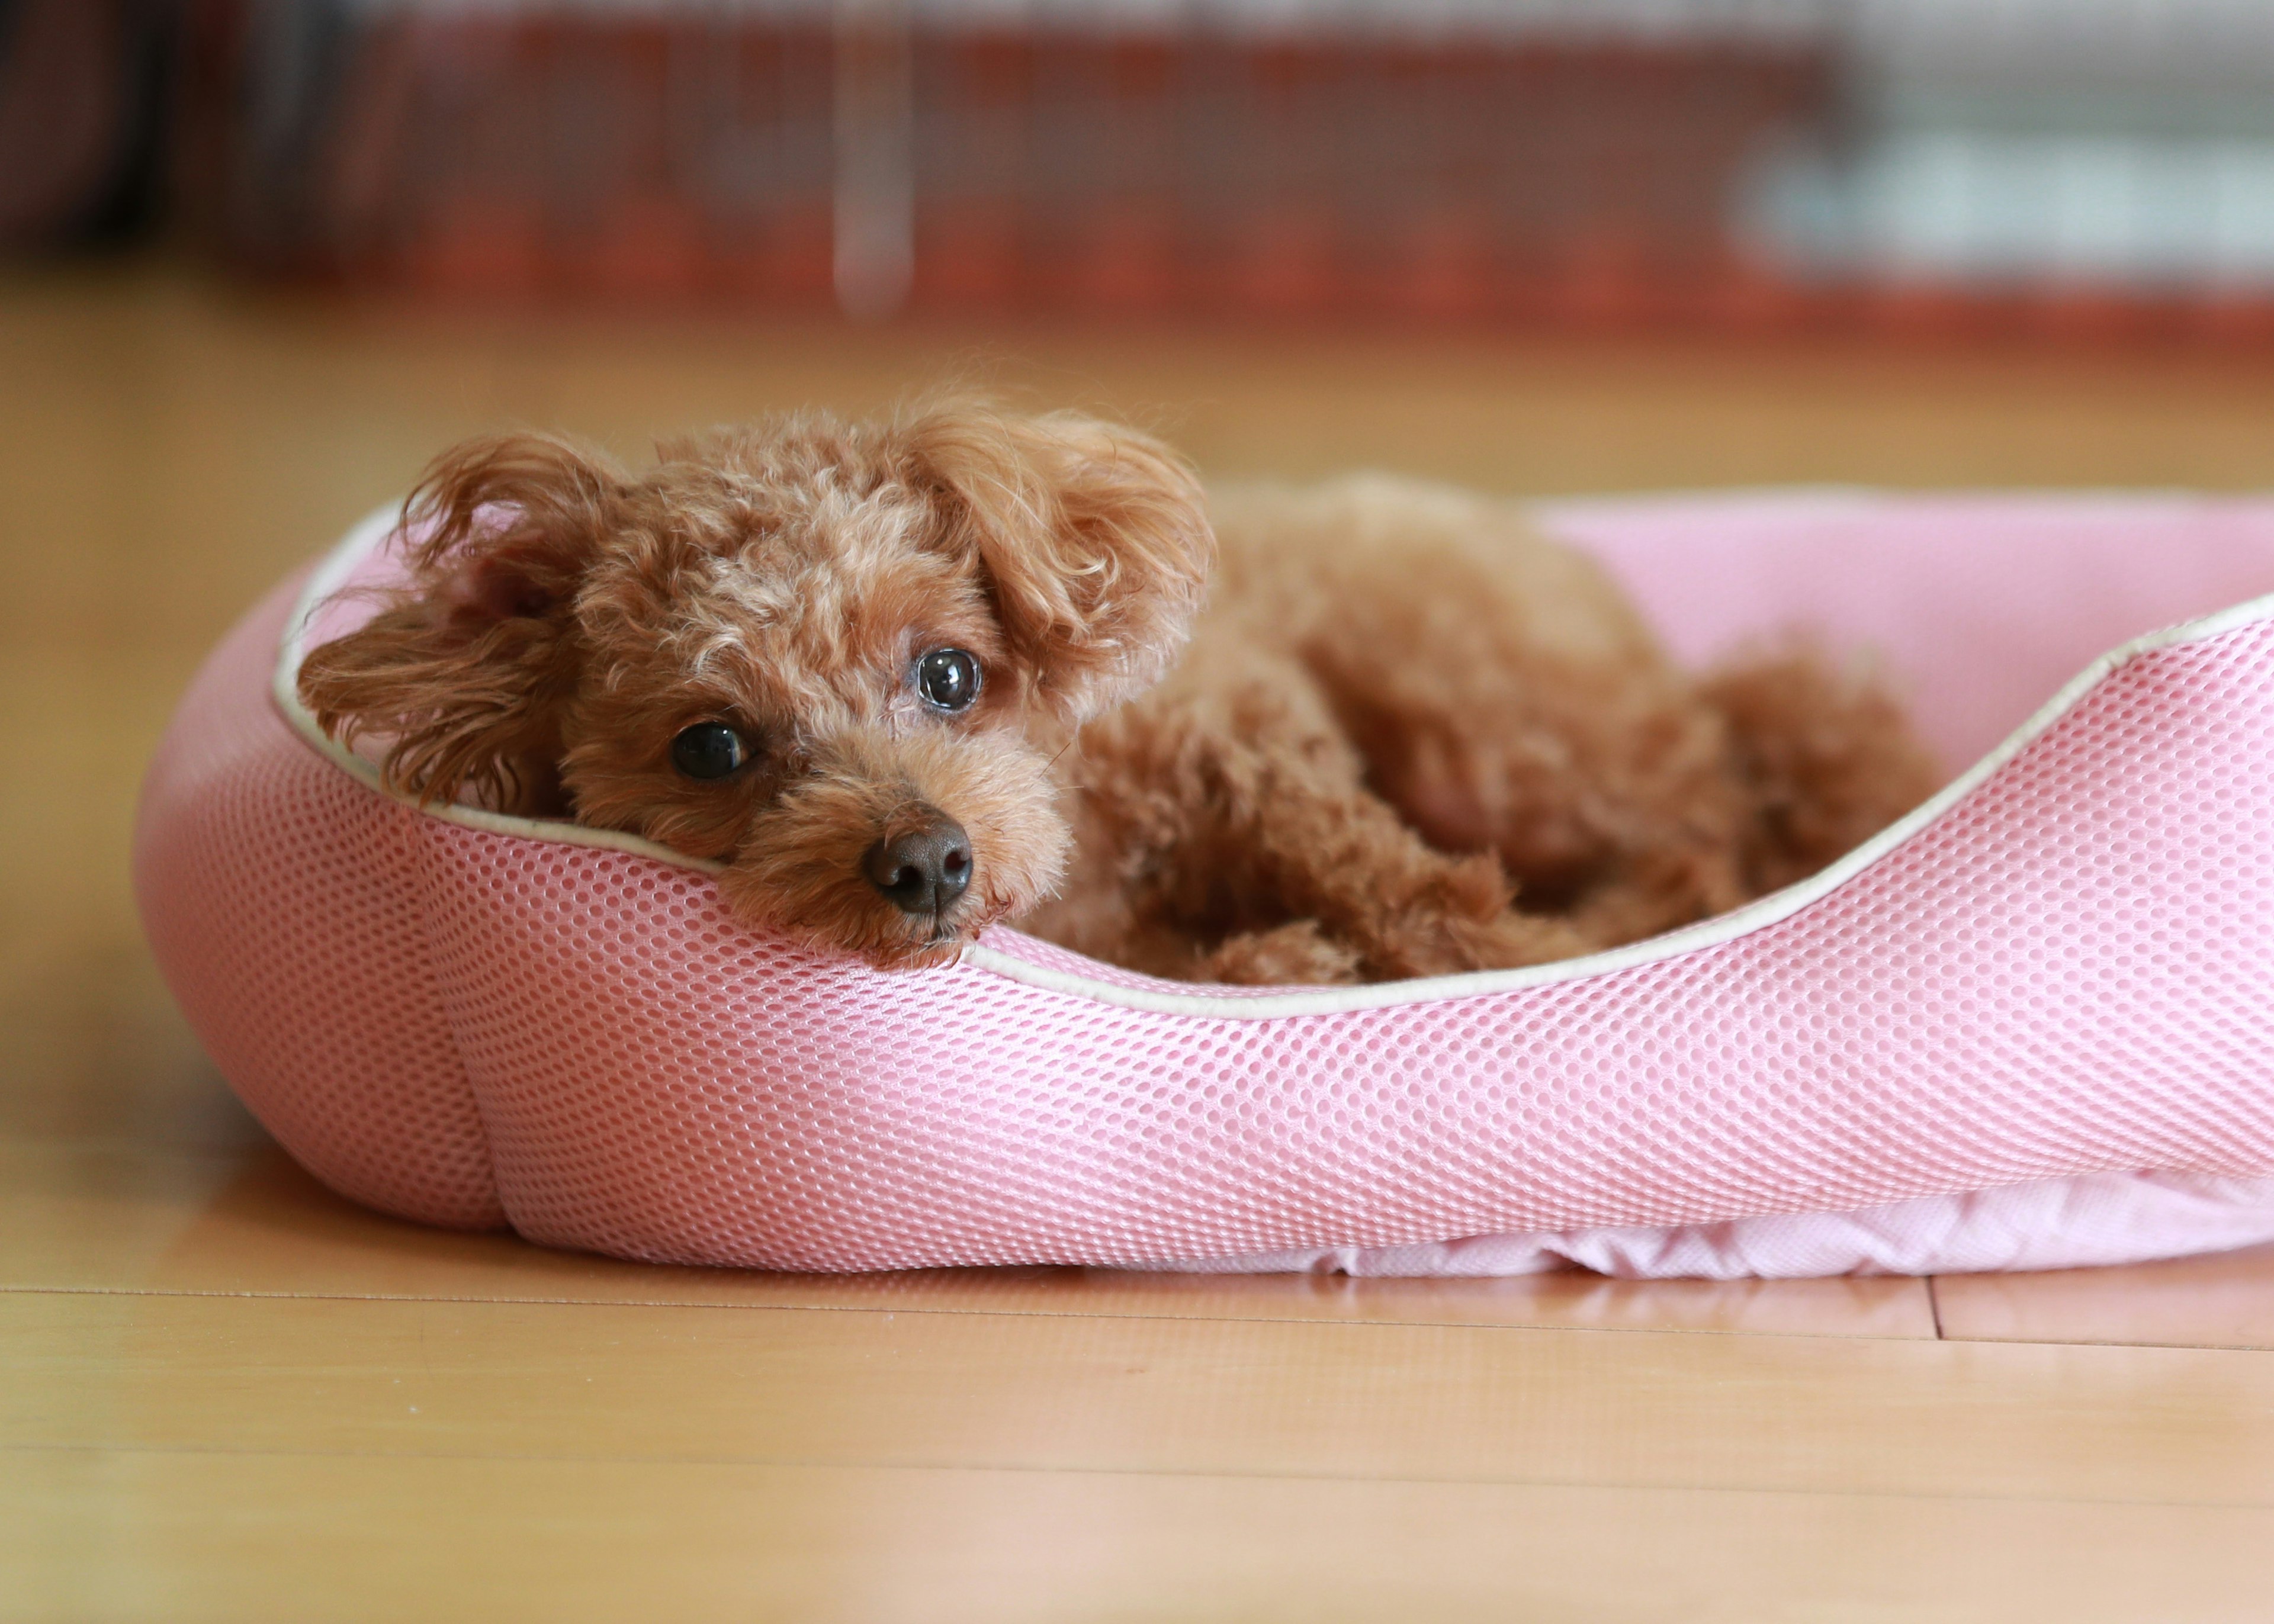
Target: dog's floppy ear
463, 668
1094, 539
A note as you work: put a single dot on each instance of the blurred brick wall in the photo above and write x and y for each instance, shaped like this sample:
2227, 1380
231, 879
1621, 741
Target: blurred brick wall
700, 151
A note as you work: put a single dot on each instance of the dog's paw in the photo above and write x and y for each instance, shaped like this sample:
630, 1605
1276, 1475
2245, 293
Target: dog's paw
1451, 944
1514, 939
1300, 954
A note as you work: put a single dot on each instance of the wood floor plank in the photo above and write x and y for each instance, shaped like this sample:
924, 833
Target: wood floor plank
121, 1218
875, 1388
2223, 1301
245, 1538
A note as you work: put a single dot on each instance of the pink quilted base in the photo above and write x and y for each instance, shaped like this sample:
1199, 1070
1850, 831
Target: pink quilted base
2032, 1026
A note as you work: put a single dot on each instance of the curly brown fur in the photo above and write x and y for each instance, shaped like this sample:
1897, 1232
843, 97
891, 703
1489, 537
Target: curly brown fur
1409, 737
1825, 756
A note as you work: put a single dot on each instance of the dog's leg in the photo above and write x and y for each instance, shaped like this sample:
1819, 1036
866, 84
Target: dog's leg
1300, 954
1597, 777
1367, 893
1233, 815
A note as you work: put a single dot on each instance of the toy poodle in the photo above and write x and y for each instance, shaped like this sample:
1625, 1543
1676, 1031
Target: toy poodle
907, 679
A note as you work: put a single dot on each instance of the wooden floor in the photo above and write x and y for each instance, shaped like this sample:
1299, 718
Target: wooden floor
226, 1394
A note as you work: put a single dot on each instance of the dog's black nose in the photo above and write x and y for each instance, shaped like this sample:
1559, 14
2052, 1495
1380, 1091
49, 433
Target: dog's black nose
924, 868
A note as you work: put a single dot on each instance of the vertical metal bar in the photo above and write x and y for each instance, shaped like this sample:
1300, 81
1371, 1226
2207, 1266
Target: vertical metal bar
875, 201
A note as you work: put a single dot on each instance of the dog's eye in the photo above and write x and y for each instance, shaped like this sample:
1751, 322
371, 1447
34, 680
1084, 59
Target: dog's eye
709, 750
948, 679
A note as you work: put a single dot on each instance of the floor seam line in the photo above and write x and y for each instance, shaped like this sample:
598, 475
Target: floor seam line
992, 1314
1230, 1474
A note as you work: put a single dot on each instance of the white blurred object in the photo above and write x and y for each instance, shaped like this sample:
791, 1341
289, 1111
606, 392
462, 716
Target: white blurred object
2120, 144
2000, 208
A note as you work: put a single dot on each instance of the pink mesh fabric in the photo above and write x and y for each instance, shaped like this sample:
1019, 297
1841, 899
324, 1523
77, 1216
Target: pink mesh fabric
278, 895
2034, 1029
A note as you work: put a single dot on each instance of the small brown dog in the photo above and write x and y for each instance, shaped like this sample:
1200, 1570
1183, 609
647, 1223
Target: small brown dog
907, 680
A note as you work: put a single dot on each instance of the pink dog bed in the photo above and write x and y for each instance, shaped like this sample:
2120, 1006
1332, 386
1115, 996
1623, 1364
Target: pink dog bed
2031, 1026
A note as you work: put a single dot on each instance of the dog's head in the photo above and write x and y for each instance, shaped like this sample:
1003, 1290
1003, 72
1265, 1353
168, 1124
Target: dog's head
836, 658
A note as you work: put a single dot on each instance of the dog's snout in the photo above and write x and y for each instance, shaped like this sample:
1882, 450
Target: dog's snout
923, 868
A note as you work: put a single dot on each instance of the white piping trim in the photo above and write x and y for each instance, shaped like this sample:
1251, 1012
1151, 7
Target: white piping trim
373, 532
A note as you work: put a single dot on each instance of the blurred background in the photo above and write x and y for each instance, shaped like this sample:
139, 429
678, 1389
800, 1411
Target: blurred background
2104, 166
260, 259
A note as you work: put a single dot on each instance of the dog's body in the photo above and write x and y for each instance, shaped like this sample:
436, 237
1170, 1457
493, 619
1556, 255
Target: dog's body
1401, 703
909, 680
